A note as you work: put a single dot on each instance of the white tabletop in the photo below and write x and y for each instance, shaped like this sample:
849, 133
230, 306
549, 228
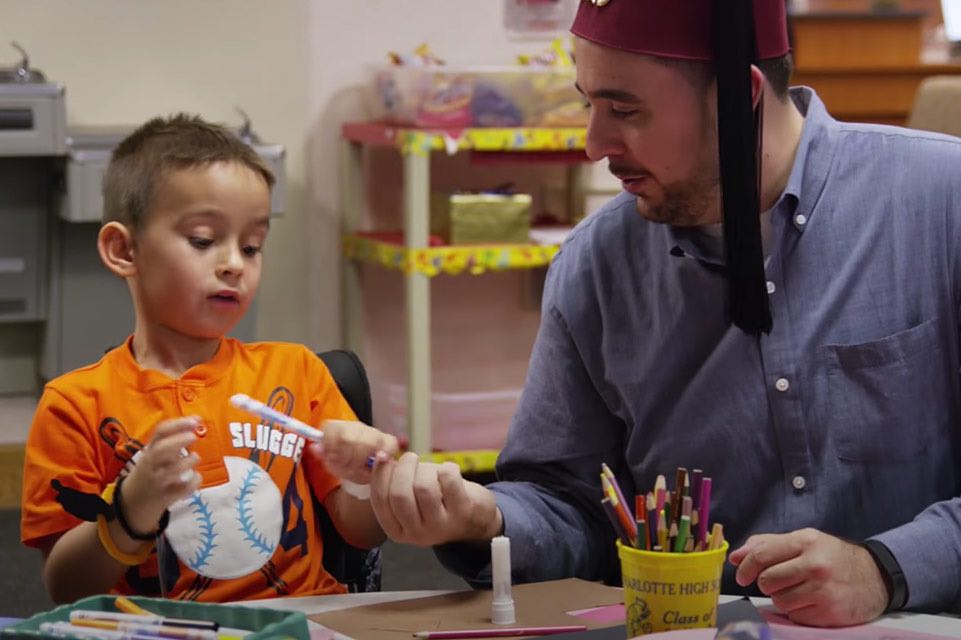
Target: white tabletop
943, 625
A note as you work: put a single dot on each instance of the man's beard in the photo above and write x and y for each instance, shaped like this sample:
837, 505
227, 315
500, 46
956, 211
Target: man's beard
687, 203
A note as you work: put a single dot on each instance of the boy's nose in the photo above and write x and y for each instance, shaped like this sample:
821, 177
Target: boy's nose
231, 261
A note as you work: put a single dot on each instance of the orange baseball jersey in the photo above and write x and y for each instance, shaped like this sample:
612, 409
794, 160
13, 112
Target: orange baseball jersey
249, 531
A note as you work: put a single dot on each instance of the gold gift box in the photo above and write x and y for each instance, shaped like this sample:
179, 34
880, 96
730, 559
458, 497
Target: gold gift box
481, 218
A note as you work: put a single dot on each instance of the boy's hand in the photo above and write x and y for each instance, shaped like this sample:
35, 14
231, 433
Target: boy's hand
347, 445
426, 504
162, 475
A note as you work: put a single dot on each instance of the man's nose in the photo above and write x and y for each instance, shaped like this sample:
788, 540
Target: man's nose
603, 139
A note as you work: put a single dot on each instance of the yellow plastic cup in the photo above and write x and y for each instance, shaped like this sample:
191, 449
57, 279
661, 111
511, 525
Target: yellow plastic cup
667, 591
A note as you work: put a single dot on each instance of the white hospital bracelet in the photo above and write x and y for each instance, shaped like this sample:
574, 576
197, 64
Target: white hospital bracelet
359, 491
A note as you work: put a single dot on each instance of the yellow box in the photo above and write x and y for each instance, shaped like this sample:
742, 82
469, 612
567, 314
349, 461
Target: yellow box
667, 591
482, 218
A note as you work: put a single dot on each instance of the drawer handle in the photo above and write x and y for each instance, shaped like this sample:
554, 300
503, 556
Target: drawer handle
13, 306
12, 265
16, 119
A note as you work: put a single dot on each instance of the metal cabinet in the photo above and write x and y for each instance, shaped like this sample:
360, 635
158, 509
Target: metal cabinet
32, 119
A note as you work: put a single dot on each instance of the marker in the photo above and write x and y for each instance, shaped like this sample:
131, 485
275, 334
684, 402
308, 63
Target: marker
499, 633
152, 630
82, 614
67, 630
259, 409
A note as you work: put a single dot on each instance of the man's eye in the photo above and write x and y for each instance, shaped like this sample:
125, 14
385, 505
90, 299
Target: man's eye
250, 250
622, 113
200, 243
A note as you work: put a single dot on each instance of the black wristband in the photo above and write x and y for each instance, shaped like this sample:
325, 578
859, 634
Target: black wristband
891, 572
122, 518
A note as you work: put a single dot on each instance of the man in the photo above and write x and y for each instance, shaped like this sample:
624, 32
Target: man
805, 354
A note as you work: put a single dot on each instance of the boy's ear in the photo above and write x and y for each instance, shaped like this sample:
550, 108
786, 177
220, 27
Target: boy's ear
116, 247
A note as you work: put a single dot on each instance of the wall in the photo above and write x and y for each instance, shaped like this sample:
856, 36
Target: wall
124, 62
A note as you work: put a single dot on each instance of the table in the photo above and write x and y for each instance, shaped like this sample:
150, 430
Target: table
944, 625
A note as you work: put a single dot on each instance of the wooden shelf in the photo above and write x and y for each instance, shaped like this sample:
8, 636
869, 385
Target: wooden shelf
486, 139
414, 256
449, 259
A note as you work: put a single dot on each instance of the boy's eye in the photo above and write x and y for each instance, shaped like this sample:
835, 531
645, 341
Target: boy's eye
200, 243
622, 113
251, 250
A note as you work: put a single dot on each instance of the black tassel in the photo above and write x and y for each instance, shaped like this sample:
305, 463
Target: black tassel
738, 134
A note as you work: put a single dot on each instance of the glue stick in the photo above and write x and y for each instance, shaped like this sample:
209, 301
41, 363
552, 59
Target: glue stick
502, 603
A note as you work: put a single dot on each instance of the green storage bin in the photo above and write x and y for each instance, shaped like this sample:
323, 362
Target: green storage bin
262, 623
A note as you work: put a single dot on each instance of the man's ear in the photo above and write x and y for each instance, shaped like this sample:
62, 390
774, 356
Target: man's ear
115, 243
757, 86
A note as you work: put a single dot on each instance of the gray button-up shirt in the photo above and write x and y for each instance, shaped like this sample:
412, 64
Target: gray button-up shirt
845, 418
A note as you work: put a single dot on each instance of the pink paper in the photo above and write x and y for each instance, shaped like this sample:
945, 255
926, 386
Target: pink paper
607, 614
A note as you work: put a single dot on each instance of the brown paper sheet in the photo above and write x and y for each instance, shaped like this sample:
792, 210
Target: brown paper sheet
536, 604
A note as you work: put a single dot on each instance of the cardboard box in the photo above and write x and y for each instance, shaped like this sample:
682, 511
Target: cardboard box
481, 218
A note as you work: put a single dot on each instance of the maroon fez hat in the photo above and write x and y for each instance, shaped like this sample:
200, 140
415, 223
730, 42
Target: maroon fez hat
732, 38
674, 28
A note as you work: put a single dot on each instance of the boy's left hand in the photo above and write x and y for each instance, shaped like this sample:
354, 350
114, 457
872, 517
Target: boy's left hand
348, 444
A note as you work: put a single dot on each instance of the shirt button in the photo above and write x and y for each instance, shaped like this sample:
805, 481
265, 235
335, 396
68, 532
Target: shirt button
800, 219
770, 287
782, 384
799, 482
188, 394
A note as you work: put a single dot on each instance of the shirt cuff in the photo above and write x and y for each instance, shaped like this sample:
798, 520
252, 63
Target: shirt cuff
920, 549
472, 561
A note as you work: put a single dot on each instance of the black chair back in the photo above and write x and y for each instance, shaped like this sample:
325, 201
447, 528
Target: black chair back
359, 569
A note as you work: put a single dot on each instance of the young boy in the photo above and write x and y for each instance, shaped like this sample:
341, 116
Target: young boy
140, 477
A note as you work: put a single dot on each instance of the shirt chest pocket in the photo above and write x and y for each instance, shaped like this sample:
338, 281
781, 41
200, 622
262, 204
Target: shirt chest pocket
888, 398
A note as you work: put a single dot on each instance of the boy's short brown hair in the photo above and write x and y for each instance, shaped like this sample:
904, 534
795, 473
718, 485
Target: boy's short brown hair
141, 161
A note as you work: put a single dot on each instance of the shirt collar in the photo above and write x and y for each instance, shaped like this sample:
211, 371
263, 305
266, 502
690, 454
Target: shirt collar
805, 182
122, 361
813, 159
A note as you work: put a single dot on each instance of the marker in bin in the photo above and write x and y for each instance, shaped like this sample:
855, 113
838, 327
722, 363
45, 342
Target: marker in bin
259, 409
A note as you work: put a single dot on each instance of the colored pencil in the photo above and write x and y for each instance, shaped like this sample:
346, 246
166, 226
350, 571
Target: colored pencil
684, 528
717, 537
704, 513
696, 476
678, 493
611, 513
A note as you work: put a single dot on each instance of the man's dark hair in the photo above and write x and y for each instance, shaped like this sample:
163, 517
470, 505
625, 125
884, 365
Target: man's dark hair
141, 161
777, 71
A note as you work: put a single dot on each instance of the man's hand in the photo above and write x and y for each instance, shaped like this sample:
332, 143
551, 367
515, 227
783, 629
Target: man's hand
426, 504
348, 444
815, 578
